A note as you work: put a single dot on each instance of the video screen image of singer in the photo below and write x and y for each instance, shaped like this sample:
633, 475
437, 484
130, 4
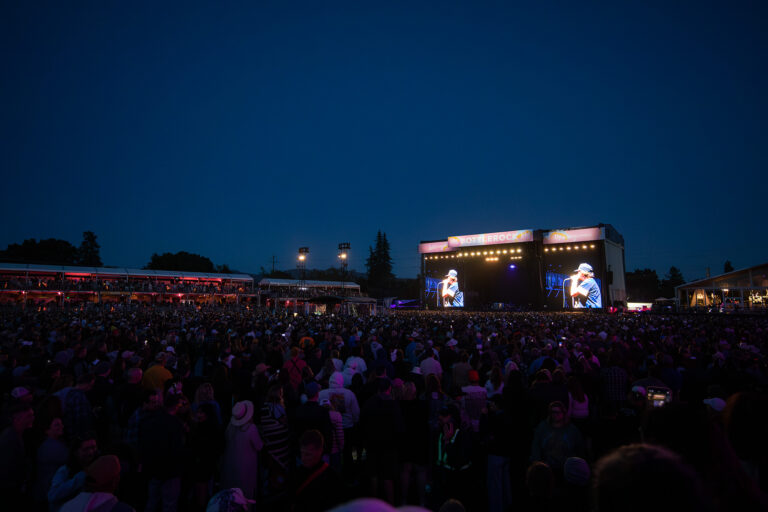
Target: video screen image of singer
573, 278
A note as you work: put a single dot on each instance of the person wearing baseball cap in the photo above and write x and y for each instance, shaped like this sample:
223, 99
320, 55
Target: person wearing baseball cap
585, 292
452, 296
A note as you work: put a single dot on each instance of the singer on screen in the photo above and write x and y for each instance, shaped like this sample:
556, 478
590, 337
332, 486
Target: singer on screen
452, 296
585, 292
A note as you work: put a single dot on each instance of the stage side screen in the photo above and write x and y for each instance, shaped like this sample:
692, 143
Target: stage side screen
483, 281
574, 276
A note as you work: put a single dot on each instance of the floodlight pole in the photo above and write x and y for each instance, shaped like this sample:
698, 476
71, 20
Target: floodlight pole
303, 254
344, 259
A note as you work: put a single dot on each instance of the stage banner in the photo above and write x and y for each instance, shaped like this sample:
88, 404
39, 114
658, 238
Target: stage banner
433, 247
562, 236
502, 237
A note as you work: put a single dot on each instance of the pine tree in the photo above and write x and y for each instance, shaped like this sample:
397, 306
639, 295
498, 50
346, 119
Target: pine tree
88, 252
379, 262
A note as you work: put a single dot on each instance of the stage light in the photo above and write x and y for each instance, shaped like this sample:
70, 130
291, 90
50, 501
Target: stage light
592, 246
505, 251
583, 246
561, 248
512, 267
519, 250
485, 253
498, 252
568, 248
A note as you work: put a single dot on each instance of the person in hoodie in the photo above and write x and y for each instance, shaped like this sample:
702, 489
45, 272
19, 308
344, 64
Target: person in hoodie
348, 407
101, 479
355, 359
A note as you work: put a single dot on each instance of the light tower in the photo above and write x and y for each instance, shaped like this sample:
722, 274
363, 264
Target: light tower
344, 259
303, 254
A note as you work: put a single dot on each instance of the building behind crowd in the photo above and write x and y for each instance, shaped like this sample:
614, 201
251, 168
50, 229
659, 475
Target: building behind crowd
60, 285
24, 283
746, 288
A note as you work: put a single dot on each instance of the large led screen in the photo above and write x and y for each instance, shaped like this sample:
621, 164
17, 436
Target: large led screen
482, 278
573, 276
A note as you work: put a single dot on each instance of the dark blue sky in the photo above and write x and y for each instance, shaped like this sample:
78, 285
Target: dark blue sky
243, 131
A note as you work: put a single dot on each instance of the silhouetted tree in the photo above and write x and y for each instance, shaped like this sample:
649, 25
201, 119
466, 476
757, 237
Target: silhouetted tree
181, 260
728, 267
88, 252
379, 263
51, 251
642, 285
672, 279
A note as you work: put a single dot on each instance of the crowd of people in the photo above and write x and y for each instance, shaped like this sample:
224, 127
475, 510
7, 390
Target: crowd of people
139, 407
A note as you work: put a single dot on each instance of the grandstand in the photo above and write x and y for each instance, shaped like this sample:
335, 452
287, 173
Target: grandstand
22, 283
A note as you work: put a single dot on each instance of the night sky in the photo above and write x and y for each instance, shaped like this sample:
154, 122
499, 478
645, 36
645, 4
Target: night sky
244, 131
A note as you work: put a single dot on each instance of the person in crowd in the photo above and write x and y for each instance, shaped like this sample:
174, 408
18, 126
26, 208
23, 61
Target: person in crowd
206, 444
454, 457
348, 407
156, 375
294, 365
495, 383
239, 465
102, 477
556, 439
641, 477
14, 470
205, 395
381, 425
337, 429
51, 455
273, 427
317, 486
310, 416
414, 451
474, 400
69, 479
162, 440
78, 414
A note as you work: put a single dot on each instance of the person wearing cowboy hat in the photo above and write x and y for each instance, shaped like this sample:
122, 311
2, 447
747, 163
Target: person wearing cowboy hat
585, 292
242, 445
452, 296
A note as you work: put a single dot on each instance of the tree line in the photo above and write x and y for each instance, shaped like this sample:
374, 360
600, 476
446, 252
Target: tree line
54, 251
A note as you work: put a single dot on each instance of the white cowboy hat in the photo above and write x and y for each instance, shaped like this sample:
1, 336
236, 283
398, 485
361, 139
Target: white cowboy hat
242, 413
